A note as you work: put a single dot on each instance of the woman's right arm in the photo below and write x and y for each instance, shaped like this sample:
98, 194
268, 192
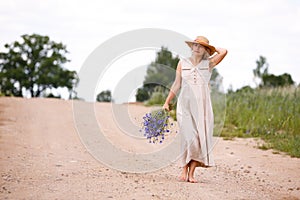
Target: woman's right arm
175, 88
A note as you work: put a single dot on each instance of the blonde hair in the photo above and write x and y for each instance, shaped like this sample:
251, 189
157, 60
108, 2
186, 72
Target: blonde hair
206, 54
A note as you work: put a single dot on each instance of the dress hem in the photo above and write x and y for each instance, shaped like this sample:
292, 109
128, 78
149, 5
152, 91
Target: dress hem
199, 164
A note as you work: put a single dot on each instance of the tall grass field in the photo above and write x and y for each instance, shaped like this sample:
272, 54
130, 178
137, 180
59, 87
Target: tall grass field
271, 114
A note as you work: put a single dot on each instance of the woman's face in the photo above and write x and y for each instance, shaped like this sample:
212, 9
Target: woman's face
198, 49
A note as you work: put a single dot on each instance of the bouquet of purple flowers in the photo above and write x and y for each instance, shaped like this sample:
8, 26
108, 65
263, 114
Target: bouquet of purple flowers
156, 125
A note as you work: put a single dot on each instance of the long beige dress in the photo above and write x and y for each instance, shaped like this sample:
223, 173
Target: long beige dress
195, 114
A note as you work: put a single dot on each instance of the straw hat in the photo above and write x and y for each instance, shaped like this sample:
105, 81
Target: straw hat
203, 41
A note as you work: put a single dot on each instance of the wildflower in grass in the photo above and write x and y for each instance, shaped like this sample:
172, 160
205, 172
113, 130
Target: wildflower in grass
155, 125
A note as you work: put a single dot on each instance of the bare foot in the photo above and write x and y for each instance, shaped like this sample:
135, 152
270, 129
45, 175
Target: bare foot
193, 165
182, 179
192, 180
183, 176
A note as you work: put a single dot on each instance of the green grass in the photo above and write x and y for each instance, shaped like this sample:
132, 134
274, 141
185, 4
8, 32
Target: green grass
271, 114
285, 142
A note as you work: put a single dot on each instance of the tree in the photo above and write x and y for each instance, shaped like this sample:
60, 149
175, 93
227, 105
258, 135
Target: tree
261, 69
104, 96
142, 95
216, 80
34, 65
161, 72
270, 80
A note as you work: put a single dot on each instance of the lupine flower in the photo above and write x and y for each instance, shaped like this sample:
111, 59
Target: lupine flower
155, 125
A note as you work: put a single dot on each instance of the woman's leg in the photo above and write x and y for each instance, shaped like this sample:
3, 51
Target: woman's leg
193, 165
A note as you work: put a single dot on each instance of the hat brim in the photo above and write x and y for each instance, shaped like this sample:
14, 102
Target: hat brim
211, 48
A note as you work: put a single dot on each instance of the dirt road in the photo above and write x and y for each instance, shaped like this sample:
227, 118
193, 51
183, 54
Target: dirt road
42, 157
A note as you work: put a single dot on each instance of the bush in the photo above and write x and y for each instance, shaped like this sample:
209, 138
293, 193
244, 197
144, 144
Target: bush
158, 97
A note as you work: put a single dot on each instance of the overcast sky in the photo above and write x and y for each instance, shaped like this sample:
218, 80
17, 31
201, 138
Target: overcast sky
247, 29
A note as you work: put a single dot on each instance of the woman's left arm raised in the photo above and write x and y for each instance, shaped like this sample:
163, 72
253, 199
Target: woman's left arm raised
217, 58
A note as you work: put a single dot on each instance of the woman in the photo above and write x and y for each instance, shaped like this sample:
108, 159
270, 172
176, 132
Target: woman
194, 109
